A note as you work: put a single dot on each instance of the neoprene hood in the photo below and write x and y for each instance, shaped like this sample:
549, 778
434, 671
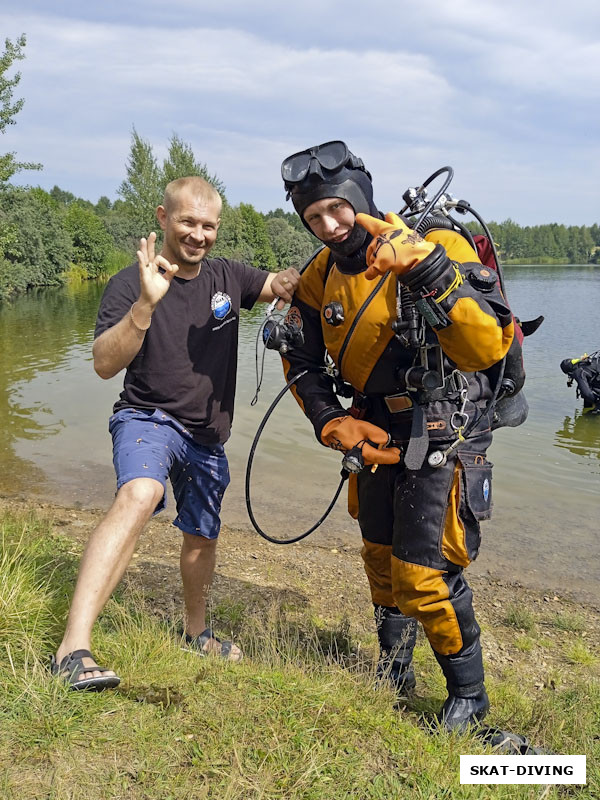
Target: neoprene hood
347, 182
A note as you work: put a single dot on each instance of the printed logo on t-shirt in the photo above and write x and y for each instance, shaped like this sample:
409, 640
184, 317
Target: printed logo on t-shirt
220, 304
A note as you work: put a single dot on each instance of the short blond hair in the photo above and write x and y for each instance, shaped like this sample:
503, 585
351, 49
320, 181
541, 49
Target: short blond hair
196, 185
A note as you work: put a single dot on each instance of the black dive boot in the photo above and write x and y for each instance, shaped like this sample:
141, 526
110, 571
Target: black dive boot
467, 702
397, 636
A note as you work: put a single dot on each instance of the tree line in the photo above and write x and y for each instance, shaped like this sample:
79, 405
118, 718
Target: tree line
546, 244
47, 238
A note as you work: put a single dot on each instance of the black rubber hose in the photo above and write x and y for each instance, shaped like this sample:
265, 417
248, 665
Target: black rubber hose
257, 436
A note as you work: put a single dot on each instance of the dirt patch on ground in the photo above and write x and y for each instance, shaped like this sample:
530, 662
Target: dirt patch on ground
329, 583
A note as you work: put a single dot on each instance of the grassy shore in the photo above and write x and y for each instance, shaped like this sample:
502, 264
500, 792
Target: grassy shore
300, 717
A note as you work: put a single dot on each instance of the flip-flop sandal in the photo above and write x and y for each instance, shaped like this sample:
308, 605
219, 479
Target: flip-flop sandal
200, 645
72, 665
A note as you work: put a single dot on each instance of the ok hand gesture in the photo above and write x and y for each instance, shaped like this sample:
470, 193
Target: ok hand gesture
156, 273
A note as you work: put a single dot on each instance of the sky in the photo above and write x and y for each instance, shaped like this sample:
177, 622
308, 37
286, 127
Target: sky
507, 93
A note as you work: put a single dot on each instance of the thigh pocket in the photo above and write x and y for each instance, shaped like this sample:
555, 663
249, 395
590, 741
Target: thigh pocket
476, 498
477, 485
469, 502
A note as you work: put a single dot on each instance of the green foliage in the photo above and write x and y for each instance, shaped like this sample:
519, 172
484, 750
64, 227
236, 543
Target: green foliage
103, 206
50, 237
75, 275
61, 196
257, 237
40, 248
292, 219
181, 163
12, 276
544, 244
243, 236
122, 227
142, 190
13, 51
231, 241
144, 187
25, 614
290, 246
525, 644
91, 241
117, 260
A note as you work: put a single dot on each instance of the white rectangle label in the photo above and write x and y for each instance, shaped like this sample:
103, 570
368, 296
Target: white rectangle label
522, 769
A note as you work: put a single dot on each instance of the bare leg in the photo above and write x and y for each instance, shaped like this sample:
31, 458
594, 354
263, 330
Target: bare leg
105, 559
197, 562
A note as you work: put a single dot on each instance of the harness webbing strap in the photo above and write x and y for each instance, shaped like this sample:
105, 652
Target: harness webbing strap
419, 440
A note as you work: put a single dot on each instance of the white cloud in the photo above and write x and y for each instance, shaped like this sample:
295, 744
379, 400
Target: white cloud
500, 91
526, 46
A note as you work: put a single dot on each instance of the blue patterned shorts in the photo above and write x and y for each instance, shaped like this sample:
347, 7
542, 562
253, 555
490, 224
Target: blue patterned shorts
151, 444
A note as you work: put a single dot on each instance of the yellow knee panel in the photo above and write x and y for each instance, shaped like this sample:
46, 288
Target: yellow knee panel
421, 592
377, 560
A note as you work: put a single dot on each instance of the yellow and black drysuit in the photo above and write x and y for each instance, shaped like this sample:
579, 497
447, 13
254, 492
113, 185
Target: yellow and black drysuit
419, 523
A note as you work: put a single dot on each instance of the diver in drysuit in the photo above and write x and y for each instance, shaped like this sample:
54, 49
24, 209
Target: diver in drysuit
417, 328
585, 371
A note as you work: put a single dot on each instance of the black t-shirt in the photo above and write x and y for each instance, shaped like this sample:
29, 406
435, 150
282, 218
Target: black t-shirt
188, 360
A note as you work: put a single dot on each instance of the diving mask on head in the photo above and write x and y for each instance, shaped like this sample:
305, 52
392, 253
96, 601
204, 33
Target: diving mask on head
331, 170
330, 156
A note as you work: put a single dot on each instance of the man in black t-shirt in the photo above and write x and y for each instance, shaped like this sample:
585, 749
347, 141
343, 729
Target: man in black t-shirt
171, 321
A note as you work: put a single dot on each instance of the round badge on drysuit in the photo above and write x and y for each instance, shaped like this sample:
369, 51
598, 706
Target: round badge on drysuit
220, 304
486, 490
333, 313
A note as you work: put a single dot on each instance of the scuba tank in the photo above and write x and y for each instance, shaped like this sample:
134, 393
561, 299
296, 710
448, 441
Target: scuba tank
510, 406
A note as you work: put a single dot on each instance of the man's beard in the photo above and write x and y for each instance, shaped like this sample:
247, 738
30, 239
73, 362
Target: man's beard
181, 259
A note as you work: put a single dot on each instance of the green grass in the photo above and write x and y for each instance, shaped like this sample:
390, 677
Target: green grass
578, 653
299, 718
524, 643
517, 616
572, 622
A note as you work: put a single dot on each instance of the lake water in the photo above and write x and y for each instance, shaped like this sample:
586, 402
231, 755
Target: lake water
544, 532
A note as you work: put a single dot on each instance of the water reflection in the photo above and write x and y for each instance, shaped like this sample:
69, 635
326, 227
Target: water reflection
580, 434
39, 334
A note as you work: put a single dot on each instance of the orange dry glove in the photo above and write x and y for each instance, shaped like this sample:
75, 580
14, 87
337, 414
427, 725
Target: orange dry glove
394, 247
344, 433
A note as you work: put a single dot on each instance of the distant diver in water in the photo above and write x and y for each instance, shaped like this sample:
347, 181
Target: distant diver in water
585, 371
